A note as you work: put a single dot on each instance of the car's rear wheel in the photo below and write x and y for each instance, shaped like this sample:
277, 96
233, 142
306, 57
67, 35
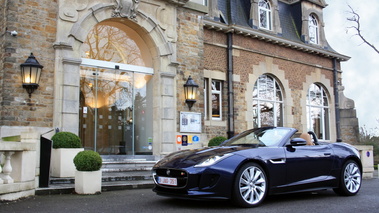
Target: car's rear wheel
250, 185
350, 180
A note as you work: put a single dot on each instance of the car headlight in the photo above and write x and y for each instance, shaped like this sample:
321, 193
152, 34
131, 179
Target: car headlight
212, 160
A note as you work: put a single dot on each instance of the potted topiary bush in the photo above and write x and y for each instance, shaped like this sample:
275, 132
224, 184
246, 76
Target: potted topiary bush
88, 173
216, 141
65, 147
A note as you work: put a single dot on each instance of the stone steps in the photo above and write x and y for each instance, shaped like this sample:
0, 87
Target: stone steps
127, 165
117, 173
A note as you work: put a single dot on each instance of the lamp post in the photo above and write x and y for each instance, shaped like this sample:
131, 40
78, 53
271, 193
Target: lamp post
190, 91
30, 74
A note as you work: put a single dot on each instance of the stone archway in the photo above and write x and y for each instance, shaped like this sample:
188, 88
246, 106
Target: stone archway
68, 60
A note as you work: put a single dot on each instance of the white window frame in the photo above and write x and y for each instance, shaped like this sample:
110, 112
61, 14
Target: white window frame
219, 93
275, 102
313, 30
209, 91
264, 7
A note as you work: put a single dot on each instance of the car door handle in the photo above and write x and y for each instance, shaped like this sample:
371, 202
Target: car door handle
277, 161
327, 154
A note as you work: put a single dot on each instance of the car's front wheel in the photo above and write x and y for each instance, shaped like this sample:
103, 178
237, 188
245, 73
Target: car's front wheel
350, 180
250, 185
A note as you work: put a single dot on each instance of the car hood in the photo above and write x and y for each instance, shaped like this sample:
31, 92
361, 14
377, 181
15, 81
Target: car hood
186, 158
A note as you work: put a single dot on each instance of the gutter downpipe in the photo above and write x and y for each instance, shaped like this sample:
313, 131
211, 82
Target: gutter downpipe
336, 100
230, 85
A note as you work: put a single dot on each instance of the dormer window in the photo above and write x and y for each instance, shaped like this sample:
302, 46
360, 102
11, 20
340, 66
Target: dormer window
265, 14
313, 30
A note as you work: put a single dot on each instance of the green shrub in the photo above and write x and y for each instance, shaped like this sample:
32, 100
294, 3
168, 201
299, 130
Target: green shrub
88, 160
66, 140
216, 141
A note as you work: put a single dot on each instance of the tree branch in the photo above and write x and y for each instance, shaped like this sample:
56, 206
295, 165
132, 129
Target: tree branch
355, 18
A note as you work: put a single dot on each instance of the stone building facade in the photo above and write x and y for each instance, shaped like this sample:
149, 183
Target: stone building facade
114, 71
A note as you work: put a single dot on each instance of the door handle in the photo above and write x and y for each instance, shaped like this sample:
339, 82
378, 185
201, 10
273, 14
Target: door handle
327, 154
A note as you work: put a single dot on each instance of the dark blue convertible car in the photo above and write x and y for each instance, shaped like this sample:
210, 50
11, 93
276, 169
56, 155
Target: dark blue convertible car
257, 163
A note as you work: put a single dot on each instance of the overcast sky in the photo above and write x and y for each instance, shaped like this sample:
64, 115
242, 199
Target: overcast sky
360, 73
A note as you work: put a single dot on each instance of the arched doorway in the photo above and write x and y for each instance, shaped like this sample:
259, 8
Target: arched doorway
116, 101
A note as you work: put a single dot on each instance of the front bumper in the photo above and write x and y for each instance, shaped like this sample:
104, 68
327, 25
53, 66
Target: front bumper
193, 183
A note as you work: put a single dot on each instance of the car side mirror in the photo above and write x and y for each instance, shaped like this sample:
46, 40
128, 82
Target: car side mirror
298, 142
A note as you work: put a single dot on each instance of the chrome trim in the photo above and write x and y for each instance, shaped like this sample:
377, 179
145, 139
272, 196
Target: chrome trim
278, 161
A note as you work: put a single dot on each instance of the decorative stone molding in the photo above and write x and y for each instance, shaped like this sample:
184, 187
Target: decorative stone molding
69, 10
126, 9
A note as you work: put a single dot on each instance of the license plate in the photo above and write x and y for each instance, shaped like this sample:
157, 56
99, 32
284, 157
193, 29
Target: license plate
168, 181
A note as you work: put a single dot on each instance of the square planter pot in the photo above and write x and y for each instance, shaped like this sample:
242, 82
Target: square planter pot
62, 162
88, 182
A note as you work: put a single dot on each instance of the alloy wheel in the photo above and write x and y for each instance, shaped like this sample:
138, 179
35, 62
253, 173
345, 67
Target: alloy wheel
352, 177
252, 185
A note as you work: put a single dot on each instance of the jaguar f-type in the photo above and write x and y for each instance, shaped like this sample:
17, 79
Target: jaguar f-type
257, 163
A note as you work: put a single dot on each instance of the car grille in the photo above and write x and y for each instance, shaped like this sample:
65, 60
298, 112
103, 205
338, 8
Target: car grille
180, 175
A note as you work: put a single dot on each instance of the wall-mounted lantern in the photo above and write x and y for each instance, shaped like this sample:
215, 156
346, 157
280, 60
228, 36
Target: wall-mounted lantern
30, 74
190, 91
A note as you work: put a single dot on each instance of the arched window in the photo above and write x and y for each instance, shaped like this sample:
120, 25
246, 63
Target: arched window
267, 102
116, 42
318, 111
264, 10
313, 30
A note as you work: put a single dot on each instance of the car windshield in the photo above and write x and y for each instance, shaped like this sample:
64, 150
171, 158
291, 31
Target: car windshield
258, 137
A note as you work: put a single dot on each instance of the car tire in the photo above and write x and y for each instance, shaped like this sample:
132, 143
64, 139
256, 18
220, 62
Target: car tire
350, 179
250, 186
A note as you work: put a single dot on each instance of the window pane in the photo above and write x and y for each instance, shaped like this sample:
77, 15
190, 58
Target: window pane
267, 114
216, 113
255, 114
263, 18
326, 118
313, 29
278, 93
279, 110
264, 4
214, 91
255, 90
117, 43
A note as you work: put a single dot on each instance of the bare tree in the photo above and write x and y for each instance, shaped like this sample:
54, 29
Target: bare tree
356, 19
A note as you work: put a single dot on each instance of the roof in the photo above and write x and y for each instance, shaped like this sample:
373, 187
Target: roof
235, 17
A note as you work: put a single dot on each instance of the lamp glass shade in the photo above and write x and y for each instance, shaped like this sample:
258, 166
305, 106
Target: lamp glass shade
30, 74
190, 89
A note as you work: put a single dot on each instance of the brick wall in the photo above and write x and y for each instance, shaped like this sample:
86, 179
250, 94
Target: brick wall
297, 65
35, 22
190, 54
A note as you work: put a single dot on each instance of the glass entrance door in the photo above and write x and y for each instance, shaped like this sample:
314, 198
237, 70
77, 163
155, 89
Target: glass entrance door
116, 111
